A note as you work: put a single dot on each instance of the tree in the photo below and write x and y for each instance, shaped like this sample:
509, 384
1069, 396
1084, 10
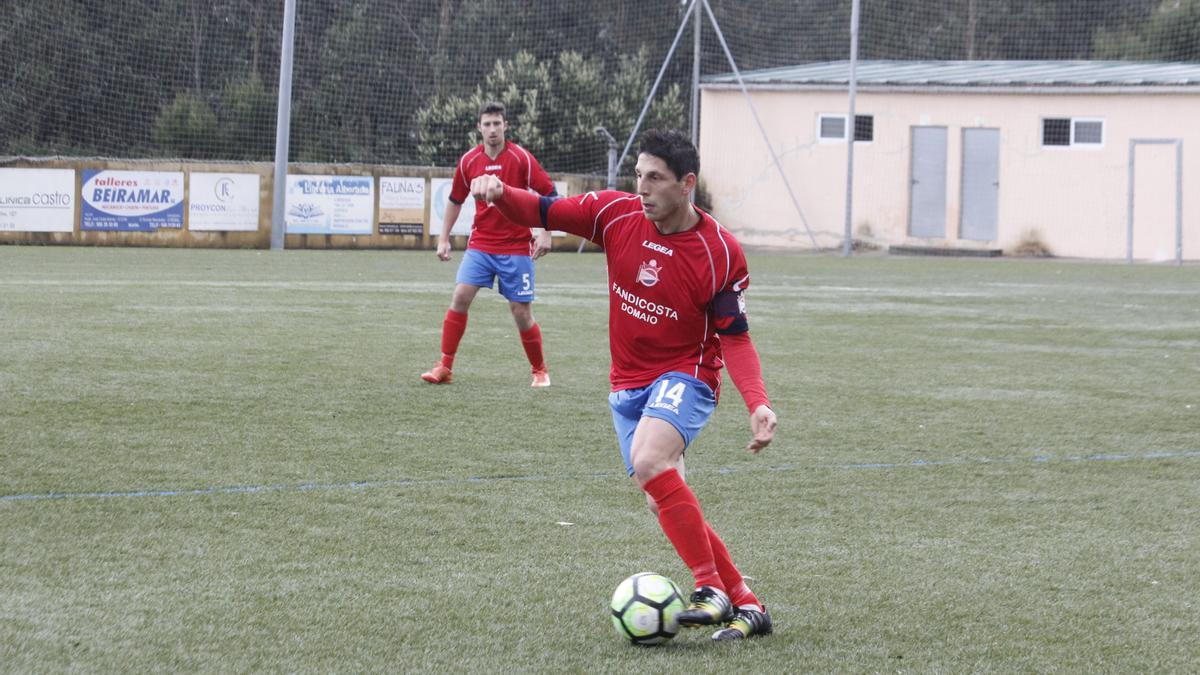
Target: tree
1170, 33
553, 109
187, 128
247, 119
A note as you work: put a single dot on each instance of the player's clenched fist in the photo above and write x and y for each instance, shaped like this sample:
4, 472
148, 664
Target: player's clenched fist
487, 188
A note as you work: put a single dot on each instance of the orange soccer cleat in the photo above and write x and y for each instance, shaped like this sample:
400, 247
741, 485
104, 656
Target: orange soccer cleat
440, 374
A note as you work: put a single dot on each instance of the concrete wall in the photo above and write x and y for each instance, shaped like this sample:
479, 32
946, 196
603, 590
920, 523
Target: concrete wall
1073, 200
261, 238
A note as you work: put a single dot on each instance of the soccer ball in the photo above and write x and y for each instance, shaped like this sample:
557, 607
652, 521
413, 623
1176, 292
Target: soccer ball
644, 609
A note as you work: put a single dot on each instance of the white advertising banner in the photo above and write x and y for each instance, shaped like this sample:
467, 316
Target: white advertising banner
401, 205
330, 204
440, 191
131, 201
37, 200
224, 202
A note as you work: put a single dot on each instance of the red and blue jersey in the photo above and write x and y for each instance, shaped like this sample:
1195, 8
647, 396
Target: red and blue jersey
492, 232
670, 295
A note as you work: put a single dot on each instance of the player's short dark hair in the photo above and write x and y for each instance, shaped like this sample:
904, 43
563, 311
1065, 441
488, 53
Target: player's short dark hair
673, 148
492, 108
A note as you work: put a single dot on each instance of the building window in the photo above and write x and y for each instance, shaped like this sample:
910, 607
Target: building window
1087, 132
832, 128
864, 128
1066, 132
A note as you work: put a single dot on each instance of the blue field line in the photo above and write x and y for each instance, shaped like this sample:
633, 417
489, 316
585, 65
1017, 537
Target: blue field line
361, 485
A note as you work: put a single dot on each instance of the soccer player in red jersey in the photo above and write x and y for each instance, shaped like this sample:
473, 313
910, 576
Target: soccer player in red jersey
677, 314
498, 250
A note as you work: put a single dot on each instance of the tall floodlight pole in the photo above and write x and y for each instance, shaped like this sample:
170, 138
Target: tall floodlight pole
696, 82
283, 121
696, 88
851, 129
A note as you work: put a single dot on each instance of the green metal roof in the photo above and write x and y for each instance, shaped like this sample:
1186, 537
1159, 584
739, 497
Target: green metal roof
975, 74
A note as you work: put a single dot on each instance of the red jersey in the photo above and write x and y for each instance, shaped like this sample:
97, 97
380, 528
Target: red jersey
669, 294
492, 232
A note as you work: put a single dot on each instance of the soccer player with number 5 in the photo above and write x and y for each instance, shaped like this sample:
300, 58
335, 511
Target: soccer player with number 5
677, 314
498, 252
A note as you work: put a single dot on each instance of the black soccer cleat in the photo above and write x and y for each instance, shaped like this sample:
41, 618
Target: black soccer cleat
746, 623
708, 607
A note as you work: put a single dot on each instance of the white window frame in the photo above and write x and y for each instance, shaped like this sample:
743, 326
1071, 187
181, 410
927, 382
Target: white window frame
1072, 144
1103, 132
821, 117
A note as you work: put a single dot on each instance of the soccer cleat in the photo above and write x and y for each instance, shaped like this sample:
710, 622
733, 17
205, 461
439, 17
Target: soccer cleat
746, 623
541, 378
438, 374
708, 606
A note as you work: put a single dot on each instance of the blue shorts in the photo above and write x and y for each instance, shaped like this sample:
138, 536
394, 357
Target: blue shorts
515, 273
682, 400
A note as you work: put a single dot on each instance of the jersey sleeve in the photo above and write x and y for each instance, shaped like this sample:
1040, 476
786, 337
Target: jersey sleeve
460, 189
729, 304
588, 215
582, 215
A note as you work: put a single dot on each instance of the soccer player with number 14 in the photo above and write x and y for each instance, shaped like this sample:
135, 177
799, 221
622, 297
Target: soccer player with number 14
676, 315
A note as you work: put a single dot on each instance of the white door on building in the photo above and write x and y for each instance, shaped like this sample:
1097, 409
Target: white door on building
980, 184
1154, 181
927, 188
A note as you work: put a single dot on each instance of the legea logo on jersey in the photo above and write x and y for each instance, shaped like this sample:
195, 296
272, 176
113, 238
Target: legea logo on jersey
648, 273
654, 246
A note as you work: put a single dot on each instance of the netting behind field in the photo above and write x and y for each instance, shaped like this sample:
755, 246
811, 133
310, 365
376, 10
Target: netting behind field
399, 81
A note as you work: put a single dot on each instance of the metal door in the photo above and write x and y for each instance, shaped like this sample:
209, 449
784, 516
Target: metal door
980, 184
927, 191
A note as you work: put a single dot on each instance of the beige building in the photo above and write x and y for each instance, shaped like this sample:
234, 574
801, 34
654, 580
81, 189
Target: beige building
995, 156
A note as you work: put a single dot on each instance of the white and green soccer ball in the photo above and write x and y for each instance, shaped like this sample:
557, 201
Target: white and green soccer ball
645, 608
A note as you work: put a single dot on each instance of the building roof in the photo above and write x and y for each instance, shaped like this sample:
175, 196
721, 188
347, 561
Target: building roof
965, 74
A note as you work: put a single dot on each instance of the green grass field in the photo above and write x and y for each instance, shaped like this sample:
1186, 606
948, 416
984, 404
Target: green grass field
224, 461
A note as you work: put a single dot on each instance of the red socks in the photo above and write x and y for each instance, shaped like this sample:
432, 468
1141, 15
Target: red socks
453, 328
683, 523
531, 340
739, 592
455, 324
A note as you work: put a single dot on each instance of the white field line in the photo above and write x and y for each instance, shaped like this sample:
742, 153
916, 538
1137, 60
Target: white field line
362, 485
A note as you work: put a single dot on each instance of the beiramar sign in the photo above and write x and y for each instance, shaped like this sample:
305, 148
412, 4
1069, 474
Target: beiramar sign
131, 201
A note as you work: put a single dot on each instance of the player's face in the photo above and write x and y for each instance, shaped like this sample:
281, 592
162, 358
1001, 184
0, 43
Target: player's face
492, 127
662, 193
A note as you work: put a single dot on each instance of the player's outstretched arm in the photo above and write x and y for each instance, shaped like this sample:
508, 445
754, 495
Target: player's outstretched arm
582, 215
522, 207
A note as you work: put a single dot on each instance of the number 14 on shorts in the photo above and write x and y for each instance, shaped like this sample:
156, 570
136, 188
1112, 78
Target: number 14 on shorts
668, 395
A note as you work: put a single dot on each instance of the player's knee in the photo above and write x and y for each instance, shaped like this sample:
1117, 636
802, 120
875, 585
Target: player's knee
461, 300
652, 505
646, 468
520, 310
